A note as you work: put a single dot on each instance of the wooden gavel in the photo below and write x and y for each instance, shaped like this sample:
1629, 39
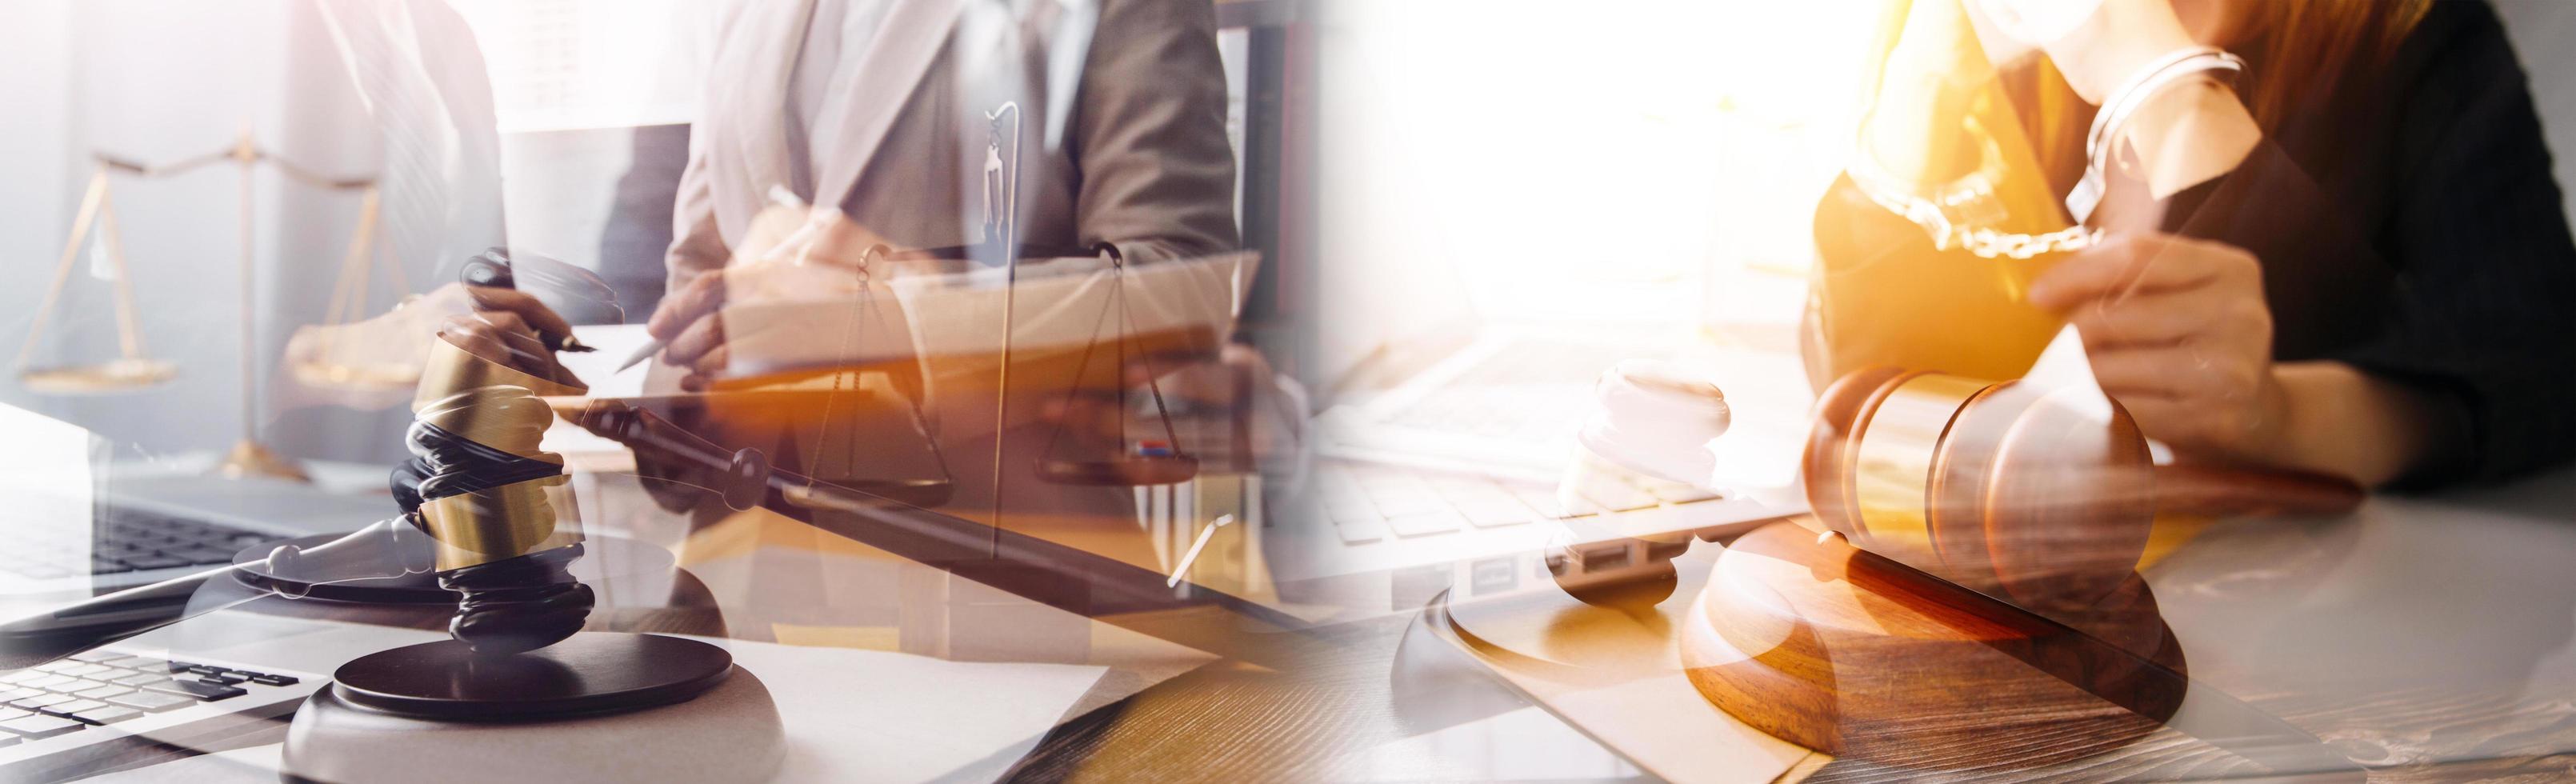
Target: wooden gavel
2041, 495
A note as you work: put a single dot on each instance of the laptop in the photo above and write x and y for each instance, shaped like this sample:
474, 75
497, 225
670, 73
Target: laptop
78, 524
1442, 447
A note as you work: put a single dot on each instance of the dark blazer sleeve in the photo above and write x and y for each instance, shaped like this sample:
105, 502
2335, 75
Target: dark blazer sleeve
1157, 173
2484, 305
2463, 280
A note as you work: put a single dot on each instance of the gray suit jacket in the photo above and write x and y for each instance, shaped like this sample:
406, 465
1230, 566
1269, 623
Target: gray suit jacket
1122, 131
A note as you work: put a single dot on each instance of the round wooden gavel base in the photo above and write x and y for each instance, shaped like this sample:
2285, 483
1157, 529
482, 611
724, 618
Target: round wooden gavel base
724, 728
1839, 651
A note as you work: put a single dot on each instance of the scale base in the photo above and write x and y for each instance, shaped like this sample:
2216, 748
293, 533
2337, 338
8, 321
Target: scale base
596, 707
250, 458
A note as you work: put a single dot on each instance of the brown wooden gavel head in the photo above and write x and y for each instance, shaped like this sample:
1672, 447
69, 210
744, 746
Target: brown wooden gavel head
2043, 496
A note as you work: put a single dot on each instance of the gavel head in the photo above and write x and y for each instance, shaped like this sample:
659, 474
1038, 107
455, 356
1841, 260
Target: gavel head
2040, 495
481, 487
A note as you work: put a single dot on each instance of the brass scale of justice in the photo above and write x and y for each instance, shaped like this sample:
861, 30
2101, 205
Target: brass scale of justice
134, 368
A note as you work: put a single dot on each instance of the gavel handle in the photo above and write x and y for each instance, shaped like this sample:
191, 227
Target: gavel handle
2232, 492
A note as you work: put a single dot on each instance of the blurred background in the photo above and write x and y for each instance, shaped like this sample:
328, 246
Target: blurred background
1621, 166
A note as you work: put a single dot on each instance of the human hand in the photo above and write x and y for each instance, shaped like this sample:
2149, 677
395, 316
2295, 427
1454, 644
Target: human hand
1236, 381
785, 256
504, 326
2178, 333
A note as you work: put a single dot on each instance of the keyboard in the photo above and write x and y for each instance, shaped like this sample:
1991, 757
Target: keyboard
1508, 402
54, 717
129, 540
1521, 393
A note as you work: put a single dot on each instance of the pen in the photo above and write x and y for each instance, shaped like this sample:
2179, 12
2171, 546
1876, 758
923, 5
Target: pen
644, 352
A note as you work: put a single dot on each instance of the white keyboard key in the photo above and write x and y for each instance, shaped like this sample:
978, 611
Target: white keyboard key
39, 727
1436, 521
1399, 496
1359, 530
153, 701
40, 701
101, 693
1541, 499
72, 707
106, 715
1605, 497
1485, 504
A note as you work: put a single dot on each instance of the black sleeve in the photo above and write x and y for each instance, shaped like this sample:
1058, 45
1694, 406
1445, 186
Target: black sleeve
2484, 307
2463, 284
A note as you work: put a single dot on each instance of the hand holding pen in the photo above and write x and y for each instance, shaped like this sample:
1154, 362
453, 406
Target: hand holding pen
687, 329
495, 287
509, 326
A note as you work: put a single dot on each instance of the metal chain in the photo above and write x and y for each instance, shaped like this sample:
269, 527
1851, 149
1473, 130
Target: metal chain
1988, 243
1981, 241
1959, 216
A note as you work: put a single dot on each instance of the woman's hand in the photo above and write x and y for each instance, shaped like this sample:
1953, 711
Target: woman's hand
1237, 381
785, 252
2179, 334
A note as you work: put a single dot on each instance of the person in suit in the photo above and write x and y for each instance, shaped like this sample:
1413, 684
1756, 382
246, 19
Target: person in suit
880, 113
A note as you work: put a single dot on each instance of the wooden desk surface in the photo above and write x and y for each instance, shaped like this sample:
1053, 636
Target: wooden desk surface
2433, 700
2427, 639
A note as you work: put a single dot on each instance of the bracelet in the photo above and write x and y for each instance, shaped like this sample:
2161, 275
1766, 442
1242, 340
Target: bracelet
2150, 81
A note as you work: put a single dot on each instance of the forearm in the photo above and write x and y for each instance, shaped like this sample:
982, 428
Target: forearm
2337, 419
1149, 134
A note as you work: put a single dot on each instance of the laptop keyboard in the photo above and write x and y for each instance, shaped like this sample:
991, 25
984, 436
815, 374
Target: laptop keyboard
107, 687
1522, 393
131, 540
58, 721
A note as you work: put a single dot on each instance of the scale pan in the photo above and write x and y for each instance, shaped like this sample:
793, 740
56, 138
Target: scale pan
115, 375
378, 377
1138, 471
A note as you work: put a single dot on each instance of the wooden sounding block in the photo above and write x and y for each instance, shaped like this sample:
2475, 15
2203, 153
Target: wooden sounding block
1889, 638
1838, 650
1966, 591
